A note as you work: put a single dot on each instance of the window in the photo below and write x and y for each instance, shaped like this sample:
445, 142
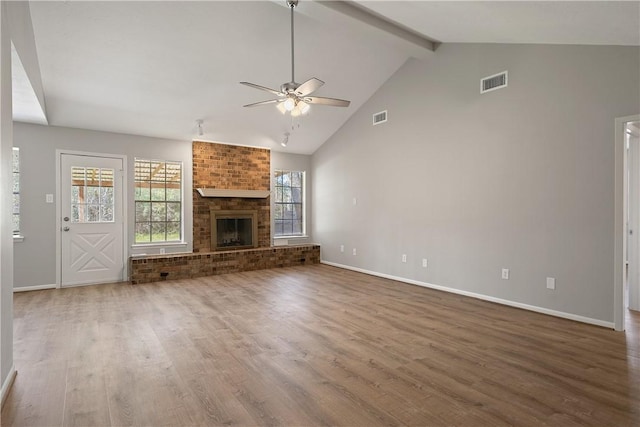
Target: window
16, 190
289, 203
92, 194
158, 198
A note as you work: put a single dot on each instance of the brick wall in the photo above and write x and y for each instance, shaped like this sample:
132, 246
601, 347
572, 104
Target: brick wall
229, 167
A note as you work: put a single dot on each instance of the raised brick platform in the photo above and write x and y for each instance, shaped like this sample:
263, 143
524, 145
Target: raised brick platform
154, 268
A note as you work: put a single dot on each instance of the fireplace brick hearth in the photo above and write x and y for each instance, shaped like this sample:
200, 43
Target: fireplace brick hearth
156, 268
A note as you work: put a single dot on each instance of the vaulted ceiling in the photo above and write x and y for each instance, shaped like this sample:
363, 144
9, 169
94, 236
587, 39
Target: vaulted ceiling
154, 68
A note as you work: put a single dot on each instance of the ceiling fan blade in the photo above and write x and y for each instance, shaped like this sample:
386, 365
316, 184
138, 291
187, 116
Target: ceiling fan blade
309, 86
266, 89
334, 102
255, 104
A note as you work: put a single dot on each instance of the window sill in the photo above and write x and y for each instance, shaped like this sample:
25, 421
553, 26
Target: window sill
158, 244
297, 236
17, 238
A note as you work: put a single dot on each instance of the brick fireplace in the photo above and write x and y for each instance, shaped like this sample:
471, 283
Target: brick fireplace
229, 167
226, 179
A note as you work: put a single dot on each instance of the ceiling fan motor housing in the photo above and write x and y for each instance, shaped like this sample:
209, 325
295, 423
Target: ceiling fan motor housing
289, 87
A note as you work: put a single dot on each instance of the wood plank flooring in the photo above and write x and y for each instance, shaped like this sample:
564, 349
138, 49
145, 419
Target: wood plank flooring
308, 346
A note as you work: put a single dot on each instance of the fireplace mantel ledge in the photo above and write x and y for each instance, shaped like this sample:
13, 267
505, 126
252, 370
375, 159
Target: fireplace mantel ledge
248, 194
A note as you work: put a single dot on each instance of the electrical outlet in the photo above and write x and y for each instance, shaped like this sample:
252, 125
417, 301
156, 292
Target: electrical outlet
162, 251
354, 251
341, 248
505, 273
551, 282
404, 257
424, 262
48, 198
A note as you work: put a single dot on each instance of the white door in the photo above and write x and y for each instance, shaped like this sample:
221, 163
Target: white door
91, 220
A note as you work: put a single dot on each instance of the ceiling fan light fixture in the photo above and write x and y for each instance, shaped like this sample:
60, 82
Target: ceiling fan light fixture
300, 109
289, 104
304, 107
280, 107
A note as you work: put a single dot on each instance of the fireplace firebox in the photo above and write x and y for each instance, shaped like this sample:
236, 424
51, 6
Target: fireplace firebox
235, 229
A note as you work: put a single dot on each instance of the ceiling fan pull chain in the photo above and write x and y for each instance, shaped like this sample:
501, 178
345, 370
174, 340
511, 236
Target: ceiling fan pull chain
295, 121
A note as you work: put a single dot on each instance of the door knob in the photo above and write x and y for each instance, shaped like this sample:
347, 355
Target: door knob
65, 229
66, 218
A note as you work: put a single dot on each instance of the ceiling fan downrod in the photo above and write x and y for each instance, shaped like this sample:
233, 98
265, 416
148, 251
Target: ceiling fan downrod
292, 4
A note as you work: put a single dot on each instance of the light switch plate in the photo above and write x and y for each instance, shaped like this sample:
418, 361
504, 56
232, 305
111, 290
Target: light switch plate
551, 282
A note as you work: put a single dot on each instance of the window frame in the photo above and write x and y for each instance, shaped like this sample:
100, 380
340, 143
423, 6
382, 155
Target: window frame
303, 204
151, 242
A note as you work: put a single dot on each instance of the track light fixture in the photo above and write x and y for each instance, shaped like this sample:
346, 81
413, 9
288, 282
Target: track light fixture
285, 141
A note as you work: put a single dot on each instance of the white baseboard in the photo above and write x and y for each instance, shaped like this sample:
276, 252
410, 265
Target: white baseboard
537, 309
6, 385
33, 288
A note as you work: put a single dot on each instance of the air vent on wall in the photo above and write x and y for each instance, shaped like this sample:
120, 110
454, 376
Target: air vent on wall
496, 81
380, 117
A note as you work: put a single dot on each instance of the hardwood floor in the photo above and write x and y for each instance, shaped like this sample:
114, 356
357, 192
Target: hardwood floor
306, 346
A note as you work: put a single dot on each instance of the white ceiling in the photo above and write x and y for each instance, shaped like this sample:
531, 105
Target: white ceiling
153, 68
546, 22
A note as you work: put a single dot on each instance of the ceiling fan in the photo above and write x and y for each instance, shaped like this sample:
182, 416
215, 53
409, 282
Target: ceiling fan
294, 97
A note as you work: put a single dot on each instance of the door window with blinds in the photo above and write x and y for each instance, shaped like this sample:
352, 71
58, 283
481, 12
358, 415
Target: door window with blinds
91, 194
158, 199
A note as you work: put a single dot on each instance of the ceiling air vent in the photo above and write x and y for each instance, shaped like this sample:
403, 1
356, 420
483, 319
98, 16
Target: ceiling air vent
380, 117
497, 81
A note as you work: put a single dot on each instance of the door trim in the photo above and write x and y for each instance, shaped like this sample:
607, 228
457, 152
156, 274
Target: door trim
620, 235
125, 219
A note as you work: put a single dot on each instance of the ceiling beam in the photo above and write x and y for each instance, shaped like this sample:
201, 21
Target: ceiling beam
347, 14
29, 102
422, 44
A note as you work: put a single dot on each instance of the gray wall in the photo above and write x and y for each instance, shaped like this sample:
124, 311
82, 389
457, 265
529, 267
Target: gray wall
519, 178
6, 197
295, 162
38, 145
